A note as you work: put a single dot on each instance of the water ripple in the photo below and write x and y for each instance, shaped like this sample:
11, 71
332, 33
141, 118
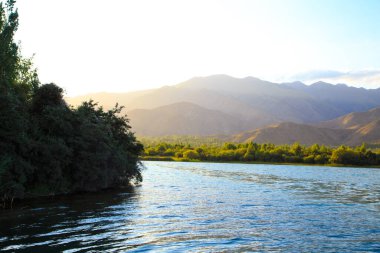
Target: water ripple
205, 207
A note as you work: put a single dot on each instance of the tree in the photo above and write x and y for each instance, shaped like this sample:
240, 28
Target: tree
14, 91
9, 52
296, 149
48, 148
48, 95
345, 155
191, 154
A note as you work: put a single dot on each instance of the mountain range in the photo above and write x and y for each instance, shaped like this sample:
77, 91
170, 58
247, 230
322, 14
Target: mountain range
250, 109
352, 129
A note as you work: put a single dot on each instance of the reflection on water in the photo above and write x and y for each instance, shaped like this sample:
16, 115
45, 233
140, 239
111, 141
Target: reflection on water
207, 207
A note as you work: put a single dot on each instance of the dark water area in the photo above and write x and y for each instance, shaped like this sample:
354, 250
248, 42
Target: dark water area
209, 207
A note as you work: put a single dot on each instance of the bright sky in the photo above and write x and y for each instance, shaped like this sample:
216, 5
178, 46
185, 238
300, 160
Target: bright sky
124, 45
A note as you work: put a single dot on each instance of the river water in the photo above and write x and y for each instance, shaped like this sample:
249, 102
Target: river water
209, 207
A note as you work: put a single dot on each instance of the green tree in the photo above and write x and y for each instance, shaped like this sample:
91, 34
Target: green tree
48, 148
14, 90
191, 154
296, 149
9, 51
345, 155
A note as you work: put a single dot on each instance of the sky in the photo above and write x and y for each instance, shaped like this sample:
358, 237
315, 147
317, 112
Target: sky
90, 46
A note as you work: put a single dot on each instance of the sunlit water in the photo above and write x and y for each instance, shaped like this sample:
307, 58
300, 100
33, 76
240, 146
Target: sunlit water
209, 207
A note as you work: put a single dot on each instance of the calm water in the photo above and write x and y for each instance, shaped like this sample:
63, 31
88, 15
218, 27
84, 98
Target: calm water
206, 207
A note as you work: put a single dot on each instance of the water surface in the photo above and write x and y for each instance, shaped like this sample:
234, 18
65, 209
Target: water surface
209, 207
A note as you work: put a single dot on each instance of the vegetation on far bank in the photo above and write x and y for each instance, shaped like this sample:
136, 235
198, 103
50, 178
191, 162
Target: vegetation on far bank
267, 153
48, 148
193, 140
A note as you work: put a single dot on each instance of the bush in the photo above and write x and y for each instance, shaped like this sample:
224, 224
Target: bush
191, 155
308, 159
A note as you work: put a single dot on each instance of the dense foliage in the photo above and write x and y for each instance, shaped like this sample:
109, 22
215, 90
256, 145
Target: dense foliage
48, 148
253, 152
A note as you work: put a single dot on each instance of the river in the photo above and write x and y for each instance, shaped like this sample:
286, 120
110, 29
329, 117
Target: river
209, 207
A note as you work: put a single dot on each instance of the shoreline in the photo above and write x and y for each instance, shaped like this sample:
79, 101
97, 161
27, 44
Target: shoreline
171, 159
31, 200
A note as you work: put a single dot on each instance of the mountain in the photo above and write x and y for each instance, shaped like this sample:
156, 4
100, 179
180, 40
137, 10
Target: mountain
253, 102
354, 120
351, 129
366, 126
277, 102
369, 133
343, 98
183, 119
288, 133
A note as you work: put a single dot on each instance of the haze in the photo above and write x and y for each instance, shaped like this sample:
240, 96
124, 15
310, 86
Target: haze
89, 46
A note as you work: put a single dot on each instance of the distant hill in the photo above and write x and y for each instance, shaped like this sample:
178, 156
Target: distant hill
369, 133
252, 102
288, 133
354, 120
366, 126
183, 119
351, 129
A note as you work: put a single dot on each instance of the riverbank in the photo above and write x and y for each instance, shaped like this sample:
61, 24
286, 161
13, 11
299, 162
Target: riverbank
33, 201
265, 153
174, 159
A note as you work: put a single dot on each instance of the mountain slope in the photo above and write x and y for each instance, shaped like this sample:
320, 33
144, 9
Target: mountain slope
369, 133
353, 120
182, 119
288, 133
352, 129
281, 102
343, 98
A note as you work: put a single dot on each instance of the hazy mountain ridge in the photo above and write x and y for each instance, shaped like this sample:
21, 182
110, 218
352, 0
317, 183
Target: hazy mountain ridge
183, 119
252, 102
353, 120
